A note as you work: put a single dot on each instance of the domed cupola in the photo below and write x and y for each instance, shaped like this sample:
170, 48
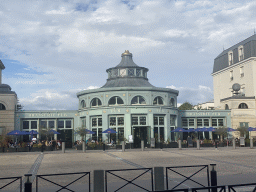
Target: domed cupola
127, 74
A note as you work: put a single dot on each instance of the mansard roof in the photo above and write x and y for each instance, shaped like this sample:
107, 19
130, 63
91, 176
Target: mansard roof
221, 61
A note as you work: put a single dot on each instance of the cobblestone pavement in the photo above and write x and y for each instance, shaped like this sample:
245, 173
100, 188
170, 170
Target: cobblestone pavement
233, 166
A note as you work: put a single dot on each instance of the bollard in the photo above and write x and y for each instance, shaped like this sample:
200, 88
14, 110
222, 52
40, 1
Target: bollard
104, 146
27, 184
123, 146
84, 149
251, 143
142, 145
179, 144
216, 145
198, 144
213, 176
63, 147
98, 181
161, 146
159, 178
234, 144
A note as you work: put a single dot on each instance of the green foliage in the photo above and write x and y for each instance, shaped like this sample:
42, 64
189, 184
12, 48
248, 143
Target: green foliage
92, 145
222, 132
23, 144
243, 131
207, 141
186, 106
81, 131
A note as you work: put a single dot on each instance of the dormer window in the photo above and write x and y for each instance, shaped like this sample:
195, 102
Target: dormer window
241, 53
230, 57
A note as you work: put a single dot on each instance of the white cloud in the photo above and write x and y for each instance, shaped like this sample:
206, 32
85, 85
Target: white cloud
193, 95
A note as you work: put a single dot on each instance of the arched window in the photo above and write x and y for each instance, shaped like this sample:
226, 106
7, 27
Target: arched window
2, 107
83, 105
226, 107
96, 102
115, 101
138, 100
243, 106
158, 101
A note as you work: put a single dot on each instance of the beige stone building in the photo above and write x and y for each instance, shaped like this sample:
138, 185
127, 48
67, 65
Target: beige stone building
8, 104
234, 82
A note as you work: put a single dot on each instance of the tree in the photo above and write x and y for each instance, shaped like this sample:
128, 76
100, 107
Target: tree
82, 132
243, 131
19, 106
186, 106
222, 132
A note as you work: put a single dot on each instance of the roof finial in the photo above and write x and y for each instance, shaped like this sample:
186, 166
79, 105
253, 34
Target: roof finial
126, 52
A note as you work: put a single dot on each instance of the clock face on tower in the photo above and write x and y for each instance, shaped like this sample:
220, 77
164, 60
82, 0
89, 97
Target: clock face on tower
236, 87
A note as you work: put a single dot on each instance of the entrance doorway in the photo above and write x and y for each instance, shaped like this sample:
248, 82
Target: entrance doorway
140, 133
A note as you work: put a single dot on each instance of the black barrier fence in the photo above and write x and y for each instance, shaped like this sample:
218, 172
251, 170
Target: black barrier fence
185, 178
242, 187
10, 182
65, 186
130, 181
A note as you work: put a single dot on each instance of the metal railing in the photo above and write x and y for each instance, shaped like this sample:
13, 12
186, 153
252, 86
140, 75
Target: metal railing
213, 188
129, 181
203, 167
232, 187
14, 179
66, 186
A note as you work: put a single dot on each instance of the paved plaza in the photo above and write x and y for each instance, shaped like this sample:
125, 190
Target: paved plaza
233, 166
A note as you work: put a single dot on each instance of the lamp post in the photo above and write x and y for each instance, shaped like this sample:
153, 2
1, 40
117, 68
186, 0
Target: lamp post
28, 184
213, 176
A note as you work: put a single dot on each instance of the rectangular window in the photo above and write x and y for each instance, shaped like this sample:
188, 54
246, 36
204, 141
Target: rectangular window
83, 122
214, 122
68, 123
135, 121
191, 122
43, 124
120, 120
143, 120
51, 124
138, 72
155, 120
25, 124
121, 134
206, 122
161, 120
199, 122
94, 122
244, 124
112, 121
220, 122
184, 122
33, 124
100, 122
60, 124
94, 136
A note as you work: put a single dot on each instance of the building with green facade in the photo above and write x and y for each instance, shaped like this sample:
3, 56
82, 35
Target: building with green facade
128, 104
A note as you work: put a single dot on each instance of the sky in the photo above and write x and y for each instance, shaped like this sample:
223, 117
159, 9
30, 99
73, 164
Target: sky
54, 49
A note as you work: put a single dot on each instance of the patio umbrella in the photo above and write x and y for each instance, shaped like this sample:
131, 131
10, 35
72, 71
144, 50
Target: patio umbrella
230, 129
109, 131
16, 132
179, 129
199, 129
209, 129
33, 132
